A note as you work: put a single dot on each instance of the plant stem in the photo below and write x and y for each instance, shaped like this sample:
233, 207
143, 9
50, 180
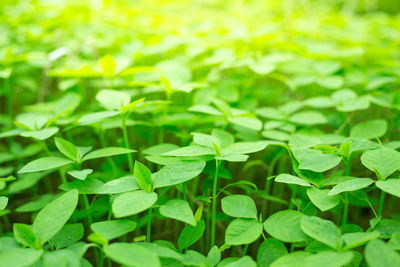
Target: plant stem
268, 183
214, 204
110, 159
346, 195
9, 96
184, 192
294, 192
149, 225
381, 203
372, 208
347, 167
61, 172
245, 250
87, 208
127, 145
345, 207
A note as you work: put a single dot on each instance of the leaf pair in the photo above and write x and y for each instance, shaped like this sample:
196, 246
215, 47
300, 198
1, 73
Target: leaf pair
246, 229
74, 155
220, 145
48, 221
293, 226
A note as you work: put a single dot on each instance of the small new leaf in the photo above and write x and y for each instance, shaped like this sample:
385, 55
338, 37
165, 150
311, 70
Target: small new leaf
143, 177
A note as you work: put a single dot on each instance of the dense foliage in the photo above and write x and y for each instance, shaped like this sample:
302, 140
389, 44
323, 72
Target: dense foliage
199, 133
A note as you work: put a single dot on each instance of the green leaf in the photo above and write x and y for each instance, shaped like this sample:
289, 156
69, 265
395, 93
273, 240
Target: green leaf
24, 235
120, 185
108, 66
162, 251
179, 210
67, 148
96, 117
178, 172
190, 151
383, 161
350, 185
113, 99
244, 147
42, 134
205, 109
35, 205
357, 239
294, 259
107, 152
321, 230
315, 160
394, 242
54, 215
159, 149
321, 198
131, 254
290, 179
369, 129
270, 113
247, 122
131, 203
113, 228
225, 138
3, 202
243, 231
68, 235
43, 164
386, 227
143, 177
391, 186
244, 261
191, 234
331, 82
20, 257
80, 174
205, 140
379, 254
308, 118
285, 226
275, 135
214, 256
319, 102
329, 259
194, 258
239, 206
270, 250
233, 158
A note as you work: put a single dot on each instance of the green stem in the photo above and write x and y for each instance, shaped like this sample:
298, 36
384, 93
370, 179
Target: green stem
245, 250
372, 208
62, 175
184, 192
346, 195
9, 92
101, 259
381, 203
109, 212
110, 159
294, 192
127, 145
149, 225
347, 167
268, 183
61, 172
345, 208
87, 208
214, 204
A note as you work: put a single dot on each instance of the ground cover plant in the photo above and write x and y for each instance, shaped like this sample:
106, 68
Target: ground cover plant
199, 133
